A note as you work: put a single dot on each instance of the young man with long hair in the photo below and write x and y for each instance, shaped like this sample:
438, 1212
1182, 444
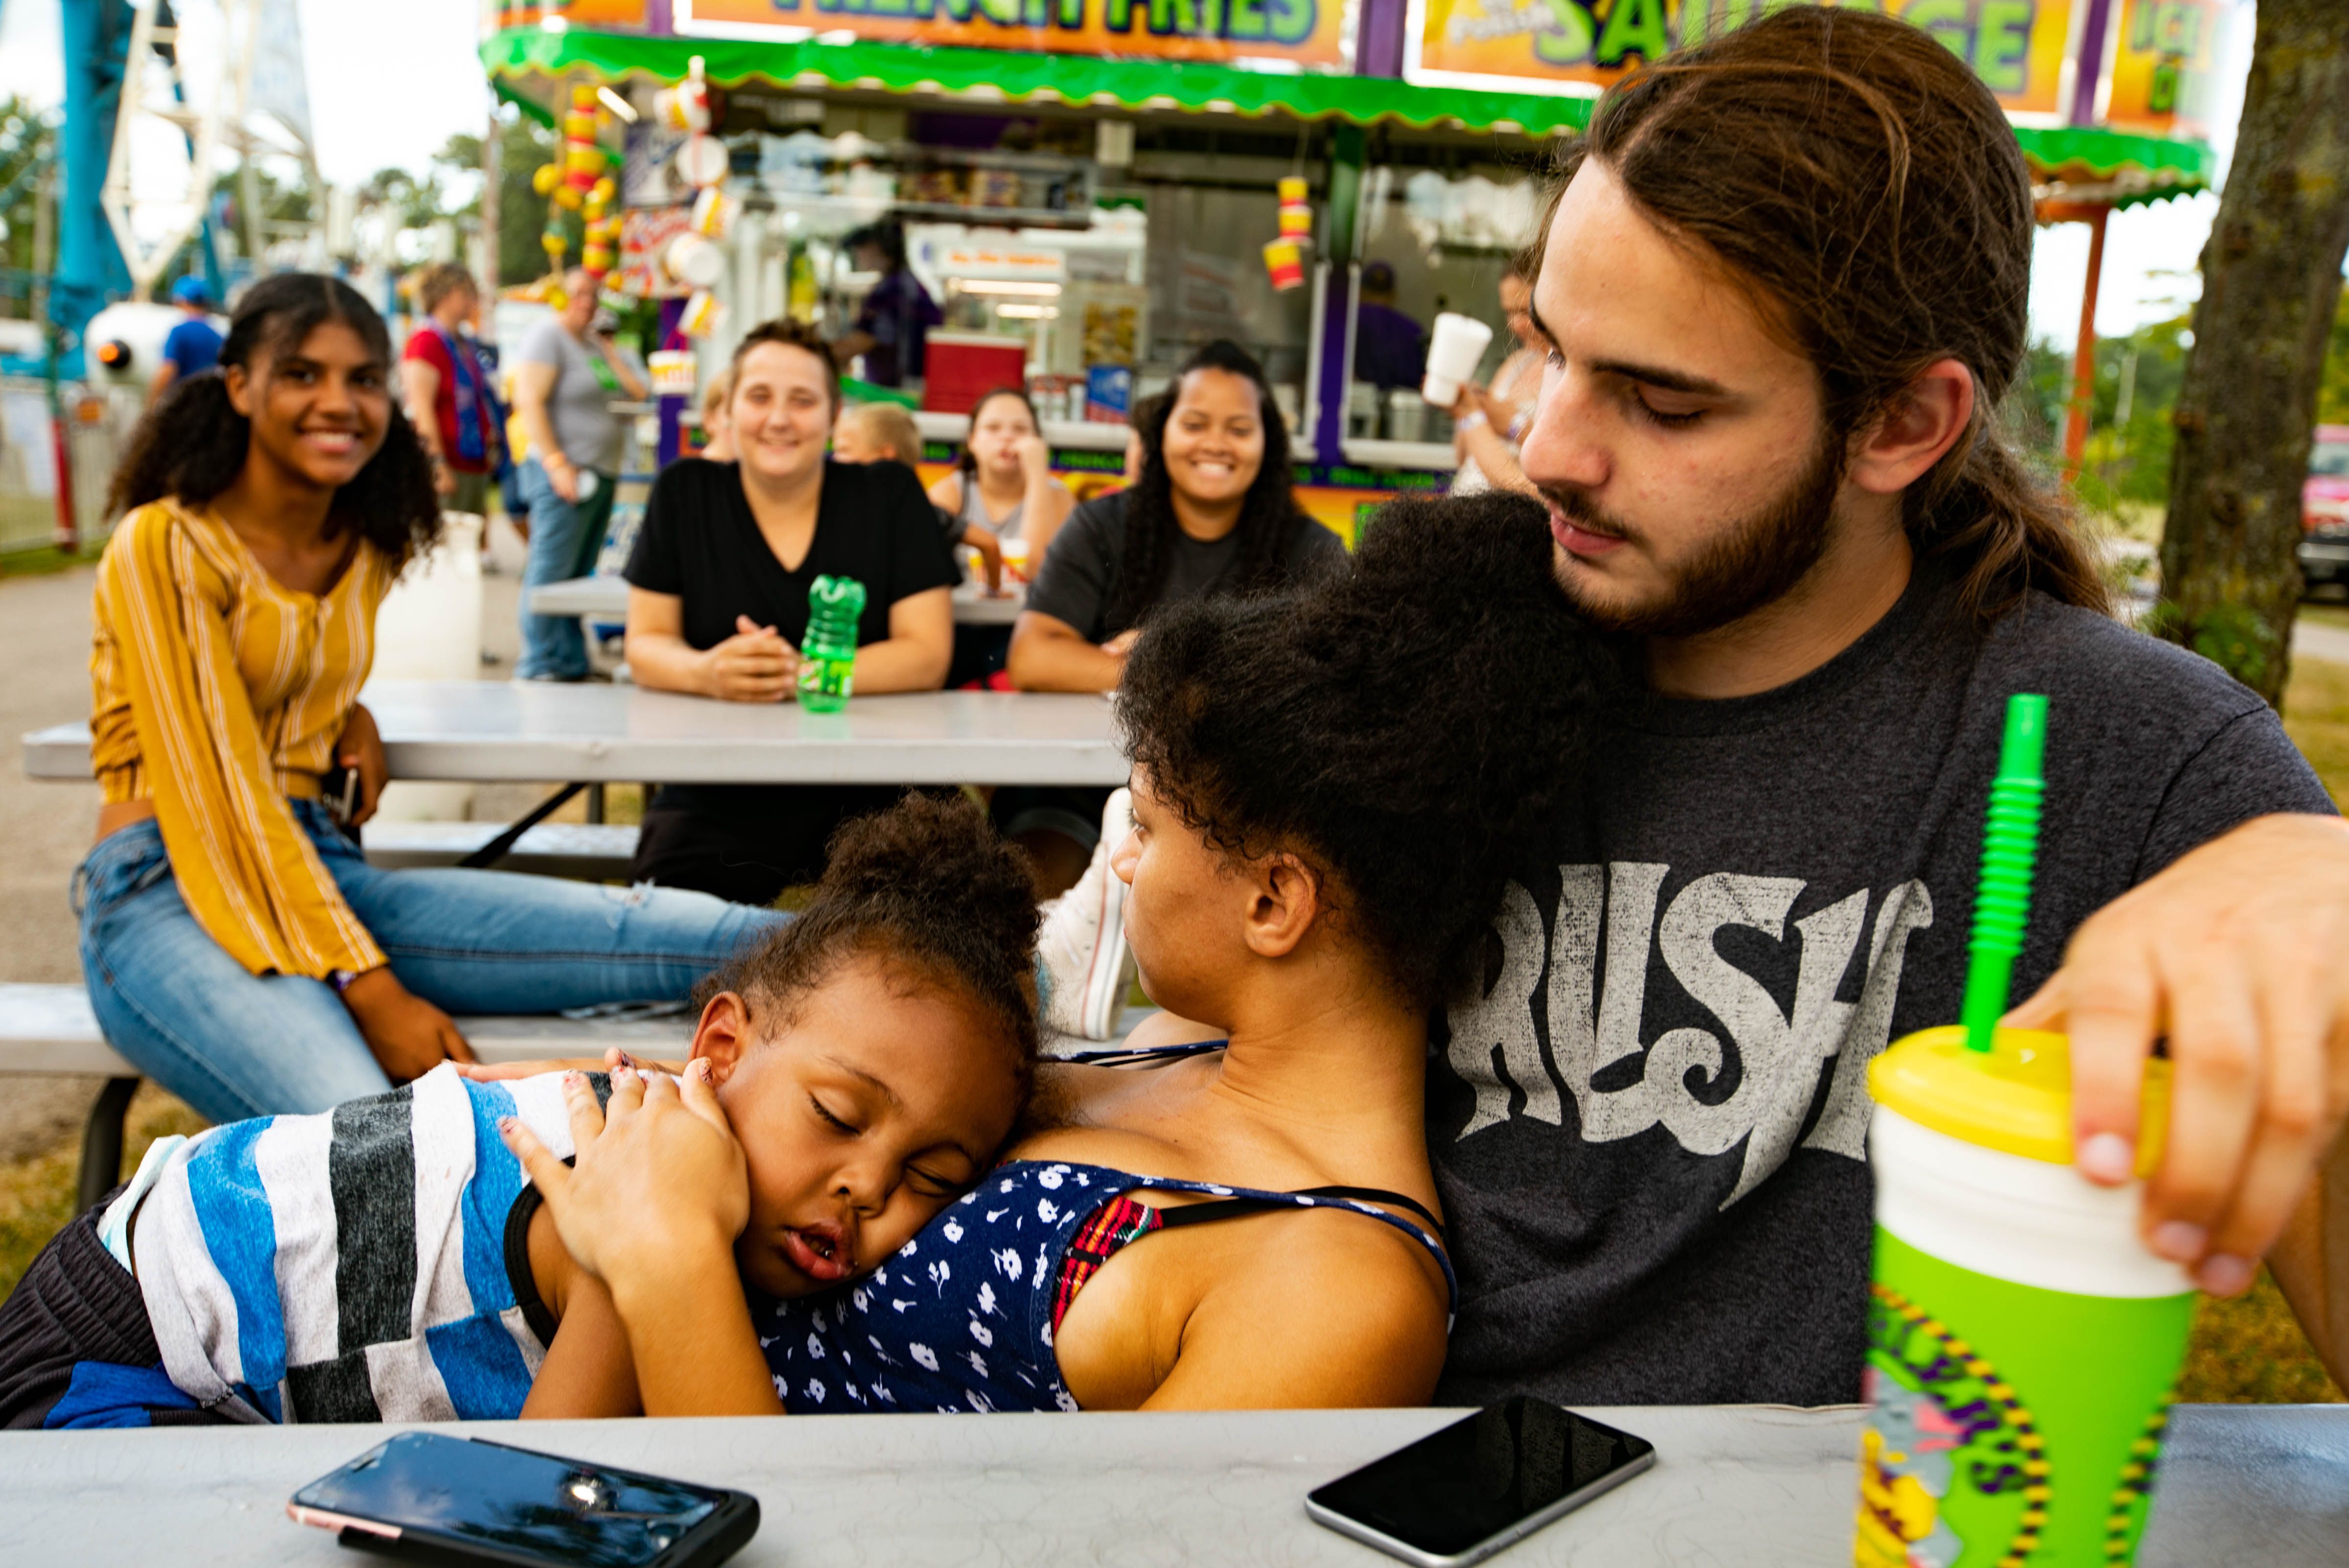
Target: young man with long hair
1785, 288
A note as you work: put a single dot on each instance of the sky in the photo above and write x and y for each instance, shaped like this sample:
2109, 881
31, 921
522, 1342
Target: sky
383, 96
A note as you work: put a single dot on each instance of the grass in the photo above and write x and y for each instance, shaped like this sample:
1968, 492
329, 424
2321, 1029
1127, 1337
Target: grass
37, 1196
2248, 1350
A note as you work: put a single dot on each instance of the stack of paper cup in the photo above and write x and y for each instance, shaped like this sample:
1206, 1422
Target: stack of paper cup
1454, 349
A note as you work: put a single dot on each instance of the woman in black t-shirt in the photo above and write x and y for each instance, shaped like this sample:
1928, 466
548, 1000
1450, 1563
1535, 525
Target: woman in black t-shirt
718, 606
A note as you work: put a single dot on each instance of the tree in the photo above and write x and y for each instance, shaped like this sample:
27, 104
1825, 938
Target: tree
26, 139
2247, 409
522, 145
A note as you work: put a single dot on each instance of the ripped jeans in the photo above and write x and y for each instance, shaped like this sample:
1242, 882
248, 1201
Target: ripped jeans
234, 1045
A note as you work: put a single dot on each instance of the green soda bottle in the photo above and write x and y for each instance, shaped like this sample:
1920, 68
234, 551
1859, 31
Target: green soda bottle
828, 652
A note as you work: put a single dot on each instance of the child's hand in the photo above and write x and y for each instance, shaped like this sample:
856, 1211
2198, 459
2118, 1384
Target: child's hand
659, 1174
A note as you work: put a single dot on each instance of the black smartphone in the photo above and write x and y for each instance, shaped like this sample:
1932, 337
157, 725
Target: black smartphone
1462, 1493
433, 1499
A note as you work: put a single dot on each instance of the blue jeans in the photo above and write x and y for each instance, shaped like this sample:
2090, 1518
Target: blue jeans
234, 1045
565, 536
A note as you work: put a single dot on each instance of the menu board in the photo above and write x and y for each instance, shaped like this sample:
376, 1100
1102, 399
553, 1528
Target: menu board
2168, 59
1580, 47
1313, 33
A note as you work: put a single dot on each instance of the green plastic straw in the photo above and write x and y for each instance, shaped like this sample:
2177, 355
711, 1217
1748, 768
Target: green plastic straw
2010, 847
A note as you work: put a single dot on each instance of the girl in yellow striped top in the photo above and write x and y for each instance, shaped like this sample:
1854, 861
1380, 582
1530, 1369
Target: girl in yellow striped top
237, 945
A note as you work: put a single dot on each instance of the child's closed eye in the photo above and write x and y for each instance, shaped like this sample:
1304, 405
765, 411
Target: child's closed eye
837, 1123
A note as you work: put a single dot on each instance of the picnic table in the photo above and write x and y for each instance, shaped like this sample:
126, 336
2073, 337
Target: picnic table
1757, 1486
607, 595
490, 731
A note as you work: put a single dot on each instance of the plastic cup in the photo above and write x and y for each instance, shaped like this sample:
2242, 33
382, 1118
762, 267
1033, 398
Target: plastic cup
1455, 346
1015, 559
2022, 1343
1285, 264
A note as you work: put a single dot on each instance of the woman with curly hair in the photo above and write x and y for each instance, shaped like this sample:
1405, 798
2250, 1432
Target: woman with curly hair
1212, 513
1329, 785
238, 947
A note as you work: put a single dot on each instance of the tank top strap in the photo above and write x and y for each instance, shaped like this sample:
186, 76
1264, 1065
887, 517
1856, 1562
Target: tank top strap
1143, 1056
1226, 1203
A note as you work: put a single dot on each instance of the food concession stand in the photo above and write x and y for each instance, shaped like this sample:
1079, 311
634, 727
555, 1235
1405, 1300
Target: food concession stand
1088, 187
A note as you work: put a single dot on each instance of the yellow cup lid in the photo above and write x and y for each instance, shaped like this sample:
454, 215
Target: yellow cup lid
2016, 1097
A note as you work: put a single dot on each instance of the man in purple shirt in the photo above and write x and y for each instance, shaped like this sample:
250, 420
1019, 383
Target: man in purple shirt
894, 321
1389, 348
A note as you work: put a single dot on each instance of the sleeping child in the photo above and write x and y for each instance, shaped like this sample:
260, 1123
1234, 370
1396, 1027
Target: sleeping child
388, 1260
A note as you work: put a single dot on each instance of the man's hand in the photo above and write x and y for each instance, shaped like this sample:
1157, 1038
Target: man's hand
360, 749
754, 665
444, 479
2238, 954
408, 1036
562, 477
658, 1174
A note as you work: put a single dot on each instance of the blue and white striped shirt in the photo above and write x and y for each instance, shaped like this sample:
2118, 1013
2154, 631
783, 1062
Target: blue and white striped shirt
351, 1265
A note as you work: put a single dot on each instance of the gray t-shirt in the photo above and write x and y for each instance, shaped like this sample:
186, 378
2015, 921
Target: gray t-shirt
1087, 555
580, 401
1650, 1133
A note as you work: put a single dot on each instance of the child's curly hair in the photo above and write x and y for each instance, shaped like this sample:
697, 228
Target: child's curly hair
1409, 729
926, 886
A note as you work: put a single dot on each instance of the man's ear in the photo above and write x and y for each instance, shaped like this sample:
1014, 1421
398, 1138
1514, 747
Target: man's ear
1285, 901
723, 1037
1917, 431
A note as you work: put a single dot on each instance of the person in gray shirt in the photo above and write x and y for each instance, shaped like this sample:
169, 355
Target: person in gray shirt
566, 378
1765, 447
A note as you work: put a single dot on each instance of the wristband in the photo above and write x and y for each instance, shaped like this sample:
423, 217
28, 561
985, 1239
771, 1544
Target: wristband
1520, 425
1472, 421
341, 979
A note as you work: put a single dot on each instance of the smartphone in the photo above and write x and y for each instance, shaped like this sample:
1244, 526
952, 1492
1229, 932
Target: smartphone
338, 788
434, 1499
1460, 1494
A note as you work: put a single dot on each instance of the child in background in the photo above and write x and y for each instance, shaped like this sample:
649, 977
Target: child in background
717, 430
386, 1261
885, 433
1003, 480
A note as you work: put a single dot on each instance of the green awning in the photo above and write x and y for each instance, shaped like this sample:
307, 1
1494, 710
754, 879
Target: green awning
1019, 77
2106, 165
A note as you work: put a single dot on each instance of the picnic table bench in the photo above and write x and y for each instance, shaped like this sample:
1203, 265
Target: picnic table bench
49, 1029
1753, 1486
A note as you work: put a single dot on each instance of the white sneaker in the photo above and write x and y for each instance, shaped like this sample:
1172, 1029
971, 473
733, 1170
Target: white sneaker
1082, 946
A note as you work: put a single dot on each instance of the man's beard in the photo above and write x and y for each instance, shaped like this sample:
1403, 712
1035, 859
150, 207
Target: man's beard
1752, 562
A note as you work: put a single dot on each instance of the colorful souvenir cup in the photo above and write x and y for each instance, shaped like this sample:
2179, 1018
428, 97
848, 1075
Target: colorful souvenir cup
2022, 1343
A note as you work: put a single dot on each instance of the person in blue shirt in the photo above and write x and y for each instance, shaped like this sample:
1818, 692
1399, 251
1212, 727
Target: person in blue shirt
192, 347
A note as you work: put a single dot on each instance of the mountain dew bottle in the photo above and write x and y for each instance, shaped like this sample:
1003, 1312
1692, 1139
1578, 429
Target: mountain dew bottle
828, 652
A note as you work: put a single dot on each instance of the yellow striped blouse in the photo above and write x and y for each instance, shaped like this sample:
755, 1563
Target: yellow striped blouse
218, 693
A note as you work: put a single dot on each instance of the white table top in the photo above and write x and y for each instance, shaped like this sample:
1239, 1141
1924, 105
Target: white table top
1757, 1487
609, 595
487, 731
